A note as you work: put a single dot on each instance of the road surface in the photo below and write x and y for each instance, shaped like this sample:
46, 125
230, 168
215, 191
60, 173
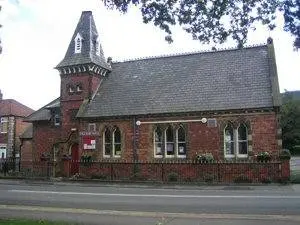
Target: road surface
120, 204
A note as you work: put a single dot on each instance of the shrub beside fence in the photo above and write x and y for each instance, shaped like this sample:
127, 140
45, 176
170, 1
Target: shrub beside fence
169, 171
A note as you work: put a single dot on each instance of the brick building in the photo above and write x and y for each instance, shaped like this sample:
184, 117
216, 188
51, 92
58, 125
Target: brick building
173, 107
12, 126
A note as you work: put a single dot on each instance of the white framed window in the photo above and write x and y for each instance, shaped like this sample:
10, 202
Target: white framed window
236, 141
117, 143
56, 119
242, 146
107, 143
4, 125
171, 143
181, 142
229, 141
112, 146
70, 89
3, 151
78, 43
158, 140
79, 88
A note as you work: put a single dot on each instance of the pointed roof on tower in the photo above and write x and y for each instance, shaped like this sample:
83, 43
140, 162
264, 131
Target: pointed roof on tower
84, 47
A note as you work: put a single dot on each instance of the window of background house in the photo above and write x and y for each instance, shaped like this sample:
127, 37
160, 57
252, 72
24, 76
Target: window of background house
3, 125
3, 151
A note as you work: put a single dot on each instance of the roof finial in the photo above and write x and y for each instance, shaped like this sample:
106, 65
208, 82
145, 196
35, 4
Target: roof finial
270, 40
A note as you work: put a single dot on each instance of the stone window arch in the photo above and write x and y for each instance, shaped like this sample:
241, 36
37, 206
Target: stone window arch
112, 142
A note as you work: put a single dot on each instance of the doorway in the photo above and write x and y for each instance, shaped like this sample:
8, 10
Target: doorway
74, 159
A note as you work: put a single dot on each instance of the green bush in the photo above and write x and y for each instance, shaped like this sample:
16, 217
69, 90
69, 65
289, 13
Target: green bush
263, 157
172, 177
205, 158
285, 154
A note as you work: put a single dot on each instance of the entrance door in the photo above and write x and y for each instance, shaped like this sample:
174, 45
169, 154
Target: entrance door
75, 159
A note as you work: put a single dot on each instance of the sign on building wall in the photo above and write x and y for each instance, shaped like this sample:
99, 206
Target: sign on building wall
89, 142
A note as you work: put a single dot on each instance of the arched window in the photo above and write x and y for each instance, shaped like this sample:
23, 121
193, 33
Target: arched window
107, 143
117, 142
112, 143
242, 140
158, 138
170, 150
229, 141
236, 141
181, 144
169, 142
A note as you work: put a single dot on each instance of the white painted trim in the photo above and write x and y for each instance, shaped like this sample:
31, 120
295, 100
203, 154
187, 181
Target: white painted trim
203, 120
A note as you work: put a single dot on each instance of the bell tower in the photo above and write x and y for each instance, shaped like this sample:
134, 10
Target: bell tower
81, 70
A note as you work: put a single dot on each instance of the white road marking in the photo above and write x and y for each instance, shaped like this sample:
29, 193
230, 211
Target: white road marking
151, 214
157, 195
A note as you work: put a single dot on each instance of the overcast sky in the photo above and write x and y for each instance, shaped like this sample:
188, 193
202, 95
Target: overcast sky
36, 34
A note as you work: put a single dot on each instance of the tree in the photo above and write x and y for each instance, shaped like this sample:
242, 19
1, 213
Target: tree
0, 37
290, 121
214, 21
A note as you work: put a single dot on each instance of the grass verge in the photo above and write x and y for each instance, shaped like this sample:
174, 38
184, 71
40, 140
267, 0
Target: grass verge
30, 222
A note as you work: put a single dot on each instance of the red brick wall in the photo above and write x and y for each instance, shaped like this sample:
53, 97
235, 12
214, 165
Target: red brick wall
26, 153
200, 138
44, 136
248, 172
20, 128
89, 85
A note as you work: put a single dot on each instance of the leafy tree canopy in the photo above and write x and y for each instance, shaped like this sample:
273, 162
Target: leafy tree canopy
290, 120
214, 21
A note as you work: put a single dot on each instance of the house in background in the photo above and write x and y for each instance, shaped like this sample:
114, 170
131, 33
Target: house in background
12, 126
159, 108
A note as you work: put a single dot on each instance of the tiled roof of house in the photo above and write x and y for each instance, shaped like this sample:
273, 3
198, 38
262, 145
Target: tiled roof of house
11, 107
207, 81
43, 113
87, 29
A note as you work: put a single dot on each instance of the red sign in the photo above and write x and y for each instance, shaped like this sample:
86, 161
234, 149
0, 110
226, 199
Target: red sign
89, 142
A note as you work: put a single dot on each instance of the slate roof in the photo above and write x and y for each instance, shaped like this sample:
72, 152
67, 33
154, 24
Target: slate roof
11, 107
44, 113
87, 29
207, 81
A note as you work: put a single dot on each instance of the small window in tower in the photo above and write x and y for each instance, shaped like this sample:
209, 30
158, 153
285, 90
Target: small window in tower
78, 43
70, 89
97, 47
79, 87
